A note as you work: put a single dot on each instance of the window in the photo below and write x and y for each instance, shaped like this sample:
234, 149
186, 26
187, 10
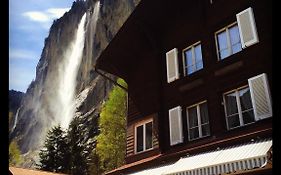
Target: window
198, 121
238, 35
144, 137
192, 59
248, 104
238, 108
228, 41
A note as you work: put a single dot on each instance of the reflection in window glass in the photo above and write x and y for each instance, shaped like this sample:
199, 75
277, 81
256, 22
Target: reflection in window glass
148, 135
193, 59
228, 41
235, 39
144, 137
140, 138
198, 121
239, 108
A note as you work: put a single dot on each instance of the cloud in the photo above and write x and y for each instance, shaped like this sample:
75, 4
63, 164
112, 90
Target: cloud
57, 12
45, 16
37, 16
22, 54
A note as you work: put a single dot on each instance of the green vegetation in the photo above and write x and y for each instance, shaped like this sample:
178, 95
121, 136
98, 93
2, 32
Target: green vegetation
54, 155
111, 142
88, 149
14, 154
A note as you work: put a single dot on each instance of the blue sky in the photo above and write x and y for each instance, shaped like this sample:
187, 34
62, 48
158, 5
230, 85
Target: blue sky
29, 23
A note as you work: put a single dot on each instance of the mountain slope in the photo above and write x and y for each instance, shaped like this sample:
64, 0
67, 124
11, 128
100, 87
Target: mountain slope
39, 104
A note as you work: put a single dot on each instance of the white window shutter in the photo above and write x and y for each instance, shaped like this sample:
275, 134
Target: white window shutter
247, 27
260, 95
175, 124
172, 65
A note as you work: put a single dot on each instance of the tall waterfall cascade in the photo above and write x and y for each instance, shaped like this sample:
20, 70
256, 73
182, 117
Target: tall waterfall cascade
68, 72
67, 77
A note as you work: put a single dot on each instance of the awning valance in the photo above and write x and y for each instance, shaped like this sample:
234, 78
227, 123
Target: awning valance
228, 160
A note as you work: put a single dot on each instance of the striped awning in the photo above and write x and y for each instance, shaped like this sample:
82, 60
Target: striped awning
154, 171
228, 160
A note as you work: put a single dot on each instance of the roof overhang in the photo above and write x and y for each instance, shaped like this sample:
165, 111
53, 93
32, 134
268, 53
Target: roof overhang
137, 53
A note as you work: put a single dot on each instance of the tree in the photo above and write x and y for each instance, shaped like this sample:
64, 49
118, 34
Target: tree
77, 148
81, 136
55, 155
14, 154
111, 142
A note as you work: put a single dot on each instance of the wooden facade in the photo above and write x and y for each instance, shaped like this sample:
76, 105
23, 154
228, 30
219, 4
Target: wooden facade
138, 54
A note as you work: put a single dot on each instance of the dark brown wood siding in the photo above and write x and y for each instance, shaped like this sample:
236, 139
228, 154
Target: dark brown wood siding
131, 154
216, 77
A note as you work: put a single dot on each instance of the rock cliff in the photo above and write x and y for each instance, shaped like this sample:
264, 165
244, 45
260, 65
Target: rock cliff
38, 104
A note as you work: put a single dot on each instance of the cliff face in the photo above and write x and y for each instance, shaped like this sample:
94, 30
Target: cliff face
39, 103
15, 98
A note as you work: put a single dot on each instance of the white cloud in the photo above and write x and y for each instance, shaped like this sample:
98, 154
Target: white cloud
45, 16
37, 16
22, 54
57, 12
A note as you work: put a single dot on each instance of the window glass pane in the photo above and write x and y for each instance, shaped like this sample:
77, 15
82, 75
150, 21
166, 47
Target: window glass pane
224, 53
193, 133
192, 117
233, 121
234, 35
148, 135
205, 130
231, 104
190, 69
199, 65
140, 138
245, 99
189, 62
236, 48
235, 39
222, 40
248, 116
204, 113
188, 56
198, 57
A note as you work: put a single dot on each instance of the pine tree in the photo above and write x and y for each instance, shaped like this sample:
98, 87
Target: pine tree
111, 143
55, 155
78, 163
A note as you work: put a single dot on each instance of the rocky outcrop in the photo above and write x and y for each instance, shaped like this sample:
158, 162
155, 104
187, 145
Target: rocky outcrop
15, 98
36, 115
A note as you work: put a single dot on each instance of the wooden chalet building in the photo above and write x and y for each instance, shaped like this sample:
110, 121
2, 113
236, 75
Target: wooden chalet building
199, 76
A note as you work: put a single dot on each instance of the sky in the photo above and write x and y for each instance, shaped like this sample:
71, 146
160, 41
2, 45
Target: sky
29, 23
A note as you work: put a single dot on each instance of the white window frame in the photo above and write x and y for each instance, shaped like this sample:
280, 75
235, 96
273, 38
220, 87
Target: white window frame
238, 103
229, 48
185, 66
198, 119
143, 123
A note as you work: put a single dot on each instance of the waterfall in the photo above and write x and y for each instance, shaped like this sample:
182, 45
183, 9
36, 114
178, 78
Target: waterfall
16, 119
68, 73
67, 76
